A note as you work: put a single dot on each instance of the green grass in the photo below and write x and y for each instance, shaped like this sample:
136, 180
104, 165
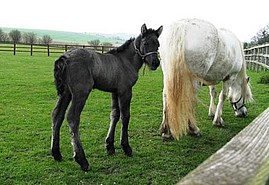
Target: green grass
28, 95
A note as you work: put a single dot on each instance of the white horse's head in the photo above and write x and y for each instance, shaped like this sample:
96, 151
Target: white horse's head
239, 94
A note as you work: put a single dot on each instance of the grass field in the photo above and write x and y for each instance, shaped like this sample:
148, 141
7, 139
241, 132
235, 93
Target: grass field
28, 95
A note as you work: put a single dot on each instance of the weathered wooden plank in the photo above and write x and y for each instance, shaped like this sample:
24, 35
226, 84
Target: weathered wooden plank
243, 160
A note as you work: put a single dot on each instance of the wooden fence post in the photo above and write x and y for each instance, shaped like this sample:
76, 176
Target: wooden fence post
48, 50
31, 49
14, 49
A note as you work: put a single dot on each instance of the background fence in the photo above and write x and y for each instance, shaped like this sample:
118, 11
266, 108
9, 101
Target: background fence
257, 57
47, 49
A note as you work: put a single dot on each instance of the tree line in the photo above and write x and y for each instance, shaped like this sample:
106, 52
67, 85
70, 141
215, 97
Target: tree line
16, 36
97, 42
261, 37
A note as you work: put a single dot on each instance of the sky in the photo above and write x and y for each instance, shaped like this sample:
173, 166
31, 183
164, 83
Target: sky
243, 17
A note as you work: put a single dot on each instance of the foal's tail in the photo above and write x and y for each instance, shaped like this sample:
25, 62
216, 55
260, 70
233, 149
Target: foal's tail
181, 93
59, 74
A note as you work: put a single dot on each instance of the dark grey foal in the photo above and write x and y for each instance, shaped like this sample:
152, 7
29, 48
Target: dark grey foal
78, 71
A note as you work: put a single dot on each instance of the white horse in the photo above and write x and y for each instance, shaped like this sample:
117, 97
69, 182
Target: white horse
193, 51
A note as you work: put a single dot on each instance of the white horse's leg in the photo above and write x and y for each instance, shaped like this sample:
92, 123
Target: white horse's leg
193, 129
165, 131
218, 121
212, 107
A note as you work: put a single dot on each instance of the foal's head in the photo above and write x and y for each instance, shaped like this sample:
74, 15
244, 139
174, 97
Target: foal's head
147, 44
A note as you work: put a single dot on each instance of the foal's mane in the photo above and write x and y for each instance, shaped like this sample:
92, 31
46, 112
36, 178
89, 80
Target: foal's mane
128, 42
122, 47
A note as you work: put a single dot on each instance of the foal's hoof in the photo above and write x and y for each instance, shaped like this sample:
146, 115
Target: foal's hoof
127, 150
110, 149
84, 165
57, 156
85, 168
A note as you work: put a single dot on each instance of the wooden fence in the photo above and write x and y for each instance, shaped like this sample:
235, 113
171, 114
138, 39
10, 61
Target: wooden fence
257, 57
47, 49
242, 161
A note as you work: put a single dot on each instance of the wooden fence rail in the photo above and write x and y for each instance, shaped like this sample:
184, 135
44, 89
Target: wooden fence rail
257, 57
48, 49
242, 161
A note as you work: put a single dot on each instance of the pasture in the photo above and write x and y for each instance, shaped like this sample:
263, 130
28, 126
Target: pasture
28, 95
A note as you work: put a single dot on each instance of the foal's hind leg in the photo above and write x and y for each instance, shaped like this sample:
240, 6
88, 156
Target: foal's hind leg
57, 120
73, 118
124, 104
114, 118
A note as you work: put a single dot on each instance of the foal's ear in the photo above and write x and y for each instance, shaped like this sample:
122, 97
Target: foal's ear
144, 29
159, 31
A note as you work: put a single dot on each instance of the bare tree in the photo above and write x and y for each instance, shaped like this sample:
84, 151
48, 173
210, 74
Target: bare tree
262, 36
107, 45
46, 39
29, 38
5, 37
1, 35
15, 36
94, 42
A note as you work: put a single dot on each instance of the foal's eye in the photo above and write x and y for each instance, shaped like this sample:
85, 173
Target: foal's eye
146, 44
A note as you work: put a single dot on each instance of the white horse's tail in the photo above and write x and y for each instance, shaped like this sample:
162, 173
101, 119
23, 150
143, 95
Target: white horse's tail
180, 90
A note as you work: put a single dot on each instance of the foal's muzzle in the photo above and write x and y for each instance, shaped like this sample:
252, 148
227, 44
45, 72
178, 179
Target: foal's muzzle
152, 61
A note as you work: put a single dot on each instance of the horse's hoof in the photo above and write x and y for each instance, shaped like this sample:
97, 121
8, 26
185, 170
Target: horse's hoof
193, 130
167, 137
195, 134
211, 117
218, 122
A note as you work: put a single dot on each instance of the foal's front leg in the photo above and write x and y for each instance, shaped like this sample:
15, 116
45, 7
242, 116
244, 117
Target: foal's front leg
114, 118
124, 104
